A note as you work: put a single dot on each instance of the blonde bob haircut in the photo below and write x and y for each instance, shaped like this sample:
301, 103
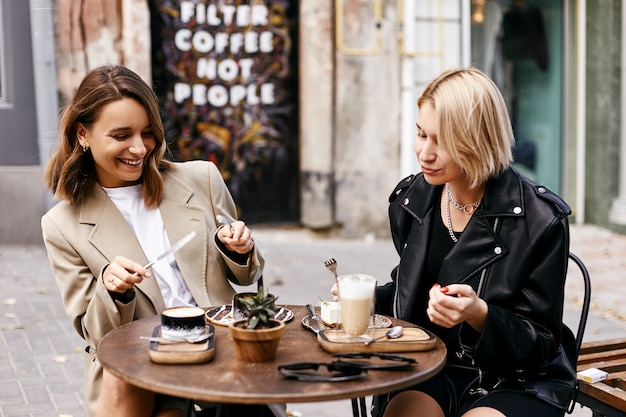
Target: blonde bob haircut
71, 171
474, 128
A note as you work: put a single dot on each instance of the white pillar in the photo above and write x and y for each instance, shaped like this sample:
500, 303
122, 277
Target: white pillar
581, 109
408, 112
316, 114
617, 214
42, 33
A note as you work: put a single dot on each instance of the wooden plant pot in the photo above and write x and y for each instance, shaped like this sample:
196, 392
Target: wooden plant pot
257, 345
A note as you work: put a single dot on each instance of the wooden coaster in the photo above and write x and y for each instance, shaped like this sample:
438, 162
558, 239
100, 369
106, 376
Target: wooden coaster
413, 339
182, 353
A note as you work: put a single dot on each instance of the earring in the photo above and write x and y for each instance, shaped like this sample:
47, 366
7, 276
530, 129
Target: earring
85, 147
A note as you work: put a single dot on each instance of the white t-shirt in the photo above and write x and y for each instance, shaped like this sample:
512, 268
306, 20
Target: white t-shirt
150, 232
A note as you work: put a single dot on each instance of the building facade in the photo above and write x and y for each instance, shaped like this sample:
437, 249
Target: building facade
357, 67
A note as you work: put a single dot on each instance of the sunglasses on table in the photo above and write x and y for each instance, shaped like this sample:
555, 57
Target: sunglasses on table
348, 366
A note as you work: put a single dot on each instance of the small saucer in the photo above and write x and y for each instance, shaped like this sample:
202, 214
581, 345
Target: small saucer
222, 315
380, 322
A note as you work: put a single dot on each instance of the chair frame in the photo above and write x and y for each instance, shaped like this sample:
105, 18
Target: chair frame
584, 314
582, 323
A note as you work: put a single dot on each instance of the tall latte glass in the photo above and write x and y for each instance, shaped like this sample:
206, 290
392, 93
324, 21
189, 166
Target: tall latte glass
356, 294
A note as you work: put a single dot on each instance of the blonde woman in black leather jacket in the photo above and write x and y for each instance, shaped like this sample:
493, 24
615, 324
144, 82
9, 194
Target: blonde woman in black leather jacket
483, 258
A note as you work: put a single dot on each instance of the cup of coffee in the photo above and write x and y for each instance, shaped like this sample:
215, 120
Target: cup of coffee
356, 295
178, 322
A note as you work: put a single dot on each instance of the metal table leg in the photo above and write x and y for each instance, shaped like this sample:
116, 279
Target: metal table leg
189, 411
359, 408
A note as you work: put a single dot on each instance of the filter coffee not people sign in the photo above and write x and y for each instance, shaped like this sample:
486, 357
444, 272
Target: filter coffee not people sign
236, 71
224, 71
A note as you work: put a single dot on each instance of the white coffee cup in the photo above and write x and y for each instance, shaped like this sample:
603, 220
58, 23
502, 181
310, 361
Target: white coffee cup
357, 294
185, 321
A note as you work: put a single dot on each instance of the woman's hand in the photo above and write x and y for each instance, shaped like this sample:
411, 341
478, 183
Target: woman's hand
334, 291
122, 274
236, 237
454, 304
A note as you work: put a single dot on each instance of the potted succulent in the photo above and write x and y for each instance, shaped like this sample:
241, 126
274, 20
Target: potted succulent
257, 335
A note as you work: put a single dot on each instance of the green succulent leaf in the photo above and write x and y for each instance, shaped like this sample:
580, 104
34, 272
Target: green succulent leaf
258, 309
254, 322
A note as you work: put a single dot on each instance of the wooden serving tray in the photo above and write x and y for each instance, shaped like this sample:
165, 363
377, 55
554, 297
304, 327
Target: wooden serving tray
413, 339
183, 353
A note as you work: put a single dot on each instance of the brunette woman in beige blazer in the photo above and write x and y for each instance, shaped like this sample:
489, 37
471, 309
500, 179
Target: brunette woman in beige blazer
123, 204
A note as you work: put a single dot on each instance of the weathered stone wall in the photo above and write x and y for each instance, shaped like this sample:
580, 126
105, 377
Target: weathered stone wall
22, 204
90, 33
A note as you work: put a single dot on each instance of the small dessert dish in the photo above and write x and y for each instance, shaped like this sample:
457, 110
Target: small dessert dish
330, 313
380, 322
222, 316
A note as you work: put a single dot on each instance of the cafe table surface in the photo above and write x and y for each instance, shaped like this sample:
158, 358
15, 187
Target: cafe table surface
229, 380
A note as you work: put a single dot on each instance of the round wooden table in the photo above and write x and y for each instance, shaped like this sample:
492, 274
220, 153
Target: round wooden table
225, 379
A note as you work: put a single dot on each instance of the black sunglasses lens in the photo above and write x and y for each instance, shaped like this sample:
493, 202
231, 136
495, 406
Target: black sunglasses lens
302, 366
347, 367
334, 371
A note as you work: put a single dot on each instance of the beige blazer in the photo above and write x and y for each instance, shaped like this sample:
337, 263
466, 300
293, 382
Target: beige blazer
82, 239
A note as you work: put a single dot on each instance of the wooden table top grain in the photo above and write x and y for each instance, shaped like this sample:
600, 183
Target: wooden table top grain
229, 380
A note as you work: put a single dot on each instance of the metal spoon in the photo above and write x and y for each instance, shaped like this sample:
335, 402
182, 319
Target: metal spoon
393, 333
189, 339
223, 220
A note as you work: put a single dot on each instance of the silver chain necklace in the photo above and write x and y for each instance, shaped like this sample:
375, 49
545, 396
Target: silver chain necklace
448, 221
466, 208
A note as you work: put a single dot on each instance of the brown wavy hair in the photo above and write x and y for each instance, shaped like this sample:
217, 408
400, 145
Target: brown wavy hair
71, 173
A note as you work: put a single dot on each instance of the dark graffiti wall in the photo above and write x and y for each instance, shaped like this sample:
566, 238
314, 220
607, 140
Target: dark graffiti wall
225, 72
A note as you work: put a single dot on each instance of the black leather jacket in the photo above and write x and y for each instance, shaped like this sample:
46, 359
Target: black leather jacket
514, 254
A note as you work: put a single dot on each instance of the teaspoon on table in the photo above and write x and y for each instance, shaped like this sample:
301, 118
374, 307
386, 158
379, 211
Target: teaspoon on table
189, 339
393, 333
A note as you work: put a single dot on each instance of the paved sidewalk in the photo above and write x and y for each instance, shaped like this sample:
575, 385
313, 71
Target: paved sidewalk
41, 365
